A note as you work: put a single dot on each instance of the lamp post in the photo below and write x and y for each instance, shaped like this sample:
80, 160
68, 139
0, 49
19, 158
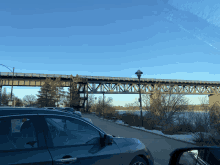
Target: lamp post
12, 80
138, 73
103, 102
95, 105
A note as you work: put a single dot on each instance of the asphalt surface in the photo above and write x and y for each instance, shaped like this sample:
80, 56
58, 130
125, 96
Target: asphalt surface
159, 146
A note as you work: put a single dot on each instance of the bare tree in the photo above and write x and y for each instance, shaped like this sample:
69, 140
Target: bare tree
107, 107
56, 86
129, 105
163, 107
209, 121
29, 100
132, 106
91, 102
18, 102
5, 97
63, 99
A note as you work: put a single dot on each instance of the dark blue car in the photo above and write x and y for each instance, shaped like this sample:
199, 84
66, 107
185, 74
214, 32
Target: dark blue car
42, 136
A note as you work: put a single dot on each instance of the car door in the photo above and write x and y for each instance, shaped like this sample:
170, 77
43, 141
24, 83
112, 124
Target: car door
71, 140
22, 142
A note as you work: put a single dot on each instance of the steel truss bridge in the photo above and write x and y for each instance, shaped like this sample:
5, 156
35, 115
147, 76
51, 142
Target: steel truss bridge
118, 85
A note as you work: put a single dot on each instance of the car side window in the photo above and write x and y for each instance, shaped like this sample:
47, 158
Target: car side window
17, 133
69, 131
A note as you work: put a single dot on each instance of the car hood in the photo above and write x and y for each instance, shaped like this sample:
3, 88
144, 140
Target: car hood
134, 147
129, 144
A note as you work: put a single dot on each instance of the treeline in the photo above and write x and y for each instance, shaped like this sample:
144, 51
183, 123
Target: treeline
131, 107
101, 105
27, 100
51, 94
6, 97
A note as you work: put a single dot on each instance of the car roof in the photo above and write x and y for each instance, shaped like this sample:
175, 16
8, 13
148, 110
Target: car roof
67, 108
50, 107
6, 111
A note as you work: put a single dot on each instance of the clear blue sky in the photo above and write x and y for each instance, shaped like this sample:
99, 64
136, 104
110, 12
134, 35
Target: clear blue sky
167, 39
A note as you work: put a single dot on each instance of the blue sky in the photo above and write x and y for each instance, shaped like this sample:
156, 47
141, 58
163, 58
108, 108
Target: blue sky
166, 39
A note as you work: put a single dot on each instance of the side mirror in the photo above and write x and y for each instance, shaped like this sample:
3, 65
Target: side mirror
107, 140
195, 156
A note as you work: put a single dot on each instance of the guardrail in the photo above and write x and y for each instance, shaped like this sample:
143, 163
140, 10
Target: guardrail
33, 75
108, 78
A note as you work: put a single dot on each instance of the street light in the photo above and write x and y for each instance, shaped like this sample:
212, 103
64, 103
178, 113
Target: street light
12, 80
103, 102
95, 105
138, 73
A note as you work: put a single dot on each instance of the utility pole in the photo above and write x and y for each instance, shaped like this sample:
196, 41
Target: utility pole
12, 82
103, 103
95, 105
138, 73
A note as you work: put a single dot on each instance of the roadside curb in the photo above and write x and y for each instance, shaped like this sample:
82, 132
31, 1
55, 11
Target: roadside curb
137, 128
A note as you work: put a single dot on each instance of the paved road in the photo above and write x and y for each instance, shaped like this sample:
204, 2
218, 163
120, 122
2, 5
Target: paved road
159, 146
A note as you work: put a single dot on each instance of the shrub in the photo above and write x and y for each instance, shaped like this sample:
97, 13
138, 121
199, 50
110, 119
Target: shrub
175, 129
125, 118
134, 120
200, 128
149, 124
108, 115
186, 128
171, 130
130, 119
210, 140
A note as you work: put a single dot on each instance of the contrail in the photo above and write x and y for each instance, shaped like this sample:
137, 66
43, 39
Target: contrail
170, 18
198, 37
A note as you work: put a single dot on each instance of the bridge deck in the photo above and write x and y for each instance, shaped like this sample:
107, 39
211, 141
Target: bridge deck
90, 78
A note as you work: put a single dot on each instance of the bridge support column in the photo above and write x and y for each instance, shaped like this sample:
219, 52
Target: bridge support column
87, 110
214, 99
0, 95
84, 106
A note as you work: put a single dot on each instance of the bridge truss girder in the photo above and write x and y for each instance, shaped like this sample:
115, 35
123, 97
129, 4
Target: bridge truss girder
122, 87
149, 88
126, 87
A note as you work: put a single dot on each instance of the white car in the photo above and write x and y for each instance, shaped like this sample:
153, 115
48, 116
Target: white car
50, 107
71, 110
78, 112
88, 119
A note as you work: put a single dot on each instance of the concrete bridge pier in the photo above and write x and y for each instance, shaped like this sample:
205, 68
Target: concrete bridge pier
214, 98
